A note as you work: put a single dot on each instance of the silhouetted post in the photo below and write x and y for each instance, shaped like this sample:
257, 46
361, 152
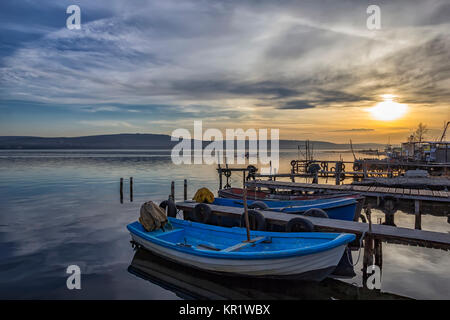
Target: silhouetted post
185, 190
220, 178
316, 177
338, 173
172, 190
418, 220
121, 190
131, 189
378, 253
368, 248
365, 169
247, 223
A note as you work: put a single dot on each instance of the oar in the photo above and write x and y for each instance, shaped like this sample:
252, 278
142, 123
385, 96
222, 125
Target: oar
247, 223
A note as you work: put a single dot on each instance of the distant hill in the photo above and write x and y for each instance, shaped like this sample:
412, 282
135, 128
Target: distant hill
140, 141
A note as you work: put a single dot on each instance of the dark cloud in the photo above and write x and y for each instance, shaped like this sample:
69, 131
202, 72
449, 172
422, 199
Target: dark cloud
296, 104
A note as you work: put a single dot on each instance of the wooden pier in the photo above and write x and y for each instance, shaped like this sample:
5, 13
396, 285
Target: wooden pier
369, 191
378, 232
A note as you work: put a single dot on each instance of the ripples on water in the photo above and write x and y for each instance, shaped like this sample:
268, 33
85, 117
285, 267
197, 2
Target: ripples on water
62, 207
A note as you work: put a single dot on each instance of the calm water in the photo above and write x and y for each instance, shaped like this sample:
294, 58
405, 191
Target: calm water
60, 208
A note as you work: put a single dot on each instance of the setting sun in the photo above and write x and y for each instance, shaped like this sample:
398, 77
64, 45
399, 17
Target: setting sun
388, 109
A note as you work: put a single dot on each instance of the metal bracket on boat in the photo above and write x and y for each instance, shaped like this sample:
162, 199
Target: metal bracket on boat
134, 245
181, 244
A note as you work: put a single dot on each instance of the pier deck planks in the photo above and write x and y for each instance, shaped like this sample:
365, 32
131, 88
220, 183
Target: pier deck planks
370, 191
386, 233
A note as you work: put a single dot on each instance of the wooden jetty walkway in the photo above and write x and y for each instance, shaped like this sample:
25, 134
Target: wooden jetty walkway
378, 232
369, 191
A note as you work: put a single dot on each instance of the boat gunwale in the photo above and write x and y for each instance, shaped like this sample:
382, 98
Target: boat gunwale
335, 240
342, 202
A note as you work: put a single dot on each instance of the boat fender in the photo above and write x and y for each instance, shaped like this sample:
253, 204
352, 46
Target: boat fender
255, 219
313, 168
258, 205
357, 166
202, 213
315, 212
252, 169
170, 206
299, 225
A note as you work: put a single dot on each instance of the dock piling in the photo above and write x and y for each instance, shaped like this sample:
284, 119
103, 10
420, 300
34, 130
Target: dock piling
121, 190
131, 189
172, 190
418, 219
185, 190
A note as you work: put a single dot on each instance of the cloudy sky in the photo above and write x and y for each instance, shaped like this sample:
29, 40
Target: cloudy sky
310, 68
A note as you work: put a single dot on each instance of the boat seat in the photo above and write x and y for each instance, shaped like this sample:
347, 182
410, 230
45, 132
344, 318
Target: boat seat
243, 244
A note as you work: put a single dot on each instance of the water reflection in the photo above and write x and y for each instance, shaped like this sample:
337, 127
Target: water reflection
188, 283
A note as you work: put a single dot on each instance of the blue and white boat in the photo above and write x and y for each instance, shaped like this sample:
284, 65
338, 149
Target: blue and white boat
307, 256
335, 208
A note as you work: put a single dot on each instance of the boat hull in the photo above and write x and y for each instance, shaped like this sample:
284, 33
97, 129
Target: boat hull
314, 267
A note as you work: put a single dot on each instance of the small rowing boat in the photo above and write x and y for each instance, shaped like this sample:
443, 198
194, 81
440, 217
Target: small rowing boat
335, 208
237, 193
306, 256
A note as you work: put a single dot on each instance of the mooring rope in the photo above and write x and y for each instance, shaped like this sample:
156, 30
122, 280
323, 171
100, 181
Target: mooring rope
359, 250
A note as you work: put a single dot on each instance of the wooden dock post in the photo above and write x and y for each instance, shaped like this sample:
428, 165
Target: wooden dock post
365, 169
185, 190
368, 247
131, 189
418, 220
172, 190
338, 169
316, 177
378, 253
121, 190
368, 257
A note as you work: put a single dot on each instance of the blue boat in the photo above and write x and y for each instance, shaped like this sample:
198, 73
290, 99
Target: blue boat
335, 208
306, 256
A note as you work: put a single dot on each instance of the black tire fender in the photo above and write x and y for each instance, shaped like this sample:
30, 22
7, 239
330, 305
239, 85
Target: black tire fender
299, 224
315, 212
255, 219
201, 213
169, 207
258, 205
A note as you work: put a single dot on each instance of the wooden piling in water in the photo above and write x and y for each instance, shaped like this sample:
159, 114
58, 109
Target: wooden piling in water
220, 177
378, 253
316, 178
131, 189
185, 190
338, 168
172, 190
121, 190
418, 219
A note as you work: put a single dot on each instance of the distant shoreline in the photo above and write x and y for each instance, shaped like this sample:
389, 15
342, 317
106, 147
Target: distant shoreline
144, 141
